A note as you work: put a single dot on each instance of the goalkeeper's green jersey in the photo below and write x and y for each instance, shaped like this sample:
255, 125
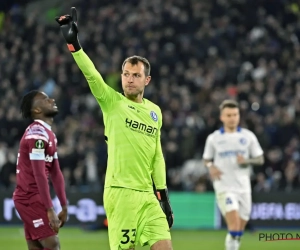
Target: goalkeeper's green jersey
133, 134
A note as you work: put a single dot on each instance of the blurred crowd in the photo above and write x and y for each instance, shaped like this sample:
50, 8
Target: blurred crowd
201, 53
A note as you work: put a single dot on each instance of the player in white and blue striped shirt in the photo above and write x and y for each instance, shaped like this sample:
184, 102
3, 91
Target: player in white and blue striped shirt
229, 154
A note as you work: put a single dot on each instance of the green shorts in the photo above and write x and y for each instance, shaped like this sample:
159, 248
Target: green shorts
134, 217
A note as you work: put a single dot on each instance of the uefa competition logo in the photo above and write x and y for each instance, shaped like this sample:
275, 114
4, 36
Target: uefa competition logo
243, 141
153, 116
39, 144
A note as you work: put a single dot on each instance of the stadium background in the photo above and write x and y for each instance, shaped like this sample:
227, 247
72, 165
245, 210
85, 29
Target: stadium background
201, 53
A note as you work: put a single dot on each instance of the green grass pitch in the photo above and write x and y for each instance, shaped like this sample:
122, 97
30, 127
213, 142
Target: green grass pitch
11, 238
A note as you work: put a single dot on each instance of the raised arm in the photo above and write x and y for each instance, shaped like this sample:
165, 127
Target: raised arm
104, 94
101, 91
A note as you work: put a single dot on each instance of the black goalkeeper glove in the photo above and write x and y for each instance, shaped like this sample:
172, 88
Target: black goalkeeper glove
164, 202
68, 26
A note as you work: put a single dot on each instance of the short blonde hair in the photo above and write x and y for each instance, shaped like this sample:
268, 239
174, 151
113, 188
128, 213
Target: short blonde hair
228, 104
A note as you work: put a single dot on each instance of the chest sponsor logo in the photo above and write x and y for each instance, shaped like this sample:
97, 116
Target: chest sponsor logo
49, 158
231, 153
141, 127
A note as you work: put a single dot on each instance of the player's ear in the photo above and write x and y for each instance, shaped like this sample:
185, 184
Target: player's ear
36, 110
148, 79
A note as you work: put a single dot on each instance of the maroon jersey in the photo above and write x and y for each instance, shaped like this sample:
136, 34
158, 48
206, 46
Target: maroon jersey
37, 162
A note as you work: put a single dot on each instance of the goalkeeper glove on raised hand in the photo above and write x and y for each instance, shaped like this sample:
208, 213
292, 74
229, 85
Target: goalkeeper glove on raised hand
163, 198
68, 27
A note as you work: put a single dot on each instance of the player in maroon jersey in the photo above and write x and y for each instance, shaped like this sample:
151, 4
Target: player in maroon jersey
38, 161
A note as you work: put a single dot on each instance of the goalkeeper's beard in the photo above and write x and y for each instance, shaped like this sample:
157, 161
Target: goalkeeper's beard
133, 94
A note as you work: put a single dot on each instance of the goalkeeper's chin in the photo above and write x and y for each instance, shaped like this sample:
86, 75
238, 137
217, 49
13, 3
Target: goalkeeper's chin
131, 94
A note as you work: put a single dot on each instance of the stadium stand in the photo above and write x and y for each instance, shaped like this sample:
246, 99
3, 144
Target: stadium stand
201, 52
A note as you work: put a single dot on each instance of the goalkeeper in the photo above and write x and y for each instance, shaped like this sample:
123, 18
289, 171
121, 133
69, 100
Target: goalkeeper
132, 131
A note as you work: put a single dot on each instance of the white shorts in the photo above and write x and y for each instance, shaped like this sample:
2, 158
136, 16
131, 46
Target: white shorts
229, 201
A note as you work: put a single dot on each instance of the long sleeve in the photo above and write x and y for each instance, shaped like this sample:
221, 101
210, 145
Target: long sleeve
209, 150
58, 181
38, 167
37, 139
103, 93
159, 166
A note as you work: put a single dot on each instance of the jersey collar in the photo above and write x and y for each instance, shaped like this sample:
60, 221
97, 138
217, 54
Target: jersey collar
46, 125
222, 130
